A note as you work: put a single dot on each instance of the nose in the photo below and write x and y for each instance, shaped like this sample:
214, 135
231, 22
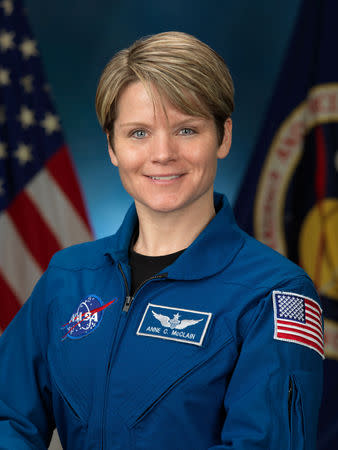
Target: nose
163, 149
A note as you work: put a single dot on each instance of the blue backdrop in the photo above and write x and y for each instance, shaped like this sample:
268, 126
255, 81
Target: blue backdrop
78, 38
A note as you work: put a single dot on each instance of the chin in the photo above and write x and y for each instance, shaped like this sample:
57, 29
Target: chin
164, 208
163, 205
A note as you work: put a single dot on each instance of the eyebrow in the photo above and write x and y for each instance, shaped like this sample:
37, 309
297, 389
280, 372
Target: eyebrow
180, 122
133, 124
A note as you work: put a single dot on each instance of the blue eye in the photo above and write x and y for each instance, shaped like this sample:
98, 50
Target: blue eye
139, 134
187, 131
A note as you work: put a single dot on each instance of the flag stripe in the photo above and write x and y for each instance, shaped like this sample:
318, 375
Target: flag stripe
307, 333
9, 303
61, 169
33, 230
313, 304
313, 309
313, 313
292, 337
19, 269
57, 210
315, 323
313, 318
301, 334
309, 327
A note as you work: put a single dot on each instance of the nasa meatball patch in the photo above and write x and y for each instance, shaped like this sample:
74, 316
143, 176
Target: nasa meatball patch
86, 318
175, 324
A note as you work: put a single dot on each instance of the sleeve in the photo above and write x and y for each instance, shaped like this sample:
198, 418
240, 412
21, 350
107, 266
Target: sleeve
26, 420
274, 394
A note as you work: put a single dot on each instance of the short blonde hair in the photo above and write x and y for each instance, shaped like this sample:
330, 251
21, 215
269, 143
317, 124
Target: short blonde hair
194, 77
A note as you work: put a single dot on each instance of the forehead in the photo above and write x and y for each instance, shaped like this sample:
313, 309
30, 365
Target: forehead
137, 101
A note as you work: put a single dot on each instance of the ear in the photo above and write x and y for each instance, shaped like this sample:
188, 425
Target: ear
224, 148
112, 155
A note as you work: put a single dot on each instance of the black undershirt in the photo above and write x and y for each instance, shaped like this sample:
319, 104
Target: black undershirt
144, 267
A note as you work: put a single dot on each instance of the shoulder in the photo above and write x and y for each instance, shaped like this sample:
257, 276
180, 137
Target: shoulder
89, 255
259, 266
258, 275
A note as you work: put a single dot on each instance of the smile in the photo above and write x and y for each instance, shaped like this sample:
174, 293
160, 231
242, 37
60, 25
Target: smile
168, 177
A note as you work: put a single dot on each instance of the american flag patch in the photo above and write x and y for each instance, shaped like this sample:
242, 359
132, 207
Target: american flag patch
298, 319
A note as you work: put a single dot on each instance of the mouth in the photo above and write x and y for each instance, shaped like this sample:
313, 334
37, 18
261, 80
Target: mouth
164, 177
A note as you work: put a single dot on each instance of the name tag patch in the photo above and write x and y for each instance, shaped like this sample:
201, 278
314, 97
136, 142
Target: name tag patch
175, 324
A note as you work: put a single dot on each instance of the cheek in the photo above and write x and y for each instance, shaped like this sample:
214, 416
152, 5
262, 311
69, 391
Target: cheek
128, 161
130, 169
205, 159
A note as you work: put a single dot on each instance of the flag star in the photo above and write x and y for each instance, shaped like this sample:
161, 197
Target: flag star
4, 77
28, 48
3, 153
6, 40
24, 154
7, 6
26, 117
27, 83
2, 115
50, 123
2, 190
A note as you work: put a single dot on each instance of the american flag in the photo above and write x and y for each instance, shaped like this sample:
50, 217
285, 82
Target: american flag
41, 207
298, 319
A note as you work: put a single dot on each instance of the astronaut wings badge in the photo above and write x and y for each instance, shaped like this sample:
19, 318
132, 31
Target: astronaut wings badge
174, 322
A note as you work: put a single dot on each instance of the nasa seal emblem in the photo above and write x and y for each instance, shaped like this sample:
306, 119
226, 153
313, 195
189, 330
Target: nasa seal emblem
86, 318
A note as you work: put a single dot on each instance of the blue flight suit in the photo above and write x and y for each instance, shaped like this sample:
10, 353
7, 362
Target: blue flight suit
193, 361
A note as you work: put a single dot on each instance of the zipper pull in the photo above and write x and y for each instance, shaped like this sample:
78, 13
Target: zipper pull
128, 301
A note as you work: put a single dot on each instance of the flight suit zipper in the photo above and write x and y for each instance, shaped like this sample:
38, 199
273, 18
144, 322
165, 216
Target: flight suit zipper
129, 299
126, 306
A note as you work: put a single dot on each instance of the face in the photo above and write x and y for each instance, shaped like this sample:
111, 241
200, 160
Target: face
167, 159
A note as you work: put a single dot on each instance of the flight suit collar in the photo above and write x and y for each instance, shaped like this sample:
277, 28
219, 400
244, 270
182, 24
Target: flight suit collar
211, 251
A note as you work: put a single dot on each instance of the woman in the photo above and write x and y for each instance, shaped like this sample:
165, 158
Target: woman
180, 331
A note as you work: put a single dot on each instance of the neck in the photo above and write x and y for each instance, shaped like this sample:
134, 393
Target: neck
163, 233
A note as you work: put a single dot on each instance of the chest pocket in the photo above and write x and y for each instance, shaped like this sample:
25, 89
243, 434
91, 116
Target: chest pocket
173, 373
